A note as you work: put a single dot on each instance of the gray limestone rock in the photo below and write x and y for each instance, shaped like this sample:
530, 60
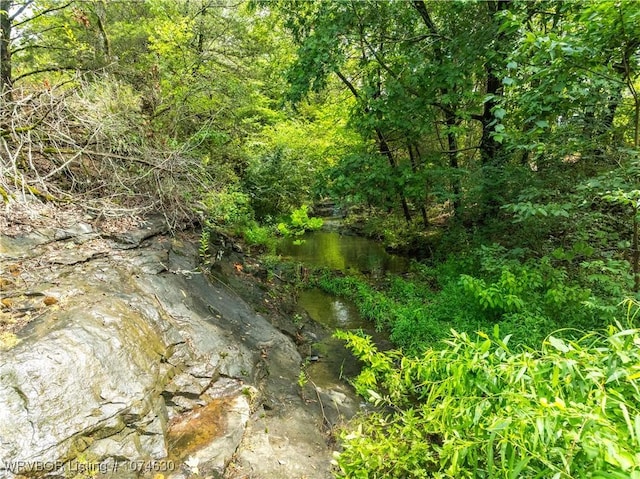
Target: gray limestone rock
140, 345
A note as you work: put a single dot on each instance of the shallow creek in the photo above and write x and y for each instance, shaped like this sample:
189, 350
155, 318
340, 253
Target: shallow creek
344, 253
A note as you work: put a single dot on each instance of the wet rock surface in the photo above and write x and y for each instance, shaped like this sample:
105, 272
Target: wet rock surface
134, 364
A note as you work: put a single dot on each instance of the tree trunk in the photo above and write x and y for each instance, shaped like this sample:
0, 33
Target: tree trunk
5, 50
491, 151
101, 13
427, 186
452, 144
386, 151
636, 144
489, 147
414, 168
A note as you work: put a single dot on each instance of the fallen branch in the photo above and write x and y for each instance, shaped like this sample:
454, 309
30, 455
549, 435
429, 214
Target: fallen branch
59, 144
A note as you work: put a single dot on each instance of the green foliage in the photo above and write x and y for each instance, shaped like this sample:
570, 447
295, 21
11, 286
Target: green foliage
362, 178
299, 223
227, 207
303, 379
392, 231
259, 236
519, 286
526, 298
477, 409
276, 182
203, 248
620, 188
558, 100
288, 159
504, 295
527, 210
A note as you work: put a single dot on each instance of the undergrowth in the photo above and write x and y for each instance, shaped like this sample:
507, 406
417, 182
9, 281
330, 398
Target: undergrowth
526, 298
478, 408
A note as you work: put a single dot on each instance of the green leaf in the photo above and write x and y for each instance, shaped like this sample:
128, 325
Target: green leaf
499, 425
499, 113
559, 344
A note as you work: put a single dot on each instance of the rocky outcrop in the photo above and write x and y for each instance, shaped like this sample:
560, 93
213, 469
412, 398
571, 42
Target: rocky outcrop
140, 366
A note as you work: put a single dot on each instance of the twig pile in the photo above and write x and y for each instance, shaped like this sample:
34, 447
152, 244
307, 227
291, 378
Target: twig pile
92, 147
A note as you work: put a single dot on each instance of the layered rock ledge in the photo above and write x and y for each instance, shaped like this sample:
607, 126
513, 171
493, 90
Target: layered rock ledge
134, 364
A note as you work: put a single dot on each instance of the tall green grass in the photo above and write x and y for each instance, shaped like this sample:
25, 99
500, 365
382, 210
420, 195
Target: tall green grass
476, 408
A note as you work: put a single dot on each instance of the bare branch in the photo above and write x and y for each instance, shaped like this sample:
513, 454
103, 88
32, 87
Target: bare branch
348, 84
43, 12
45, 70
56, 143
21, 10
420, 6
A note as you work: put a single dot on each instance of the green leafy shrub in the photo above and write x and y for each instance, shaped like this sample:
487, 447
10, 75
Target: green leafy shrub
287, 159
527, 299
299, 223
227, 208
543, 289
477, 409
276, 181
260, 236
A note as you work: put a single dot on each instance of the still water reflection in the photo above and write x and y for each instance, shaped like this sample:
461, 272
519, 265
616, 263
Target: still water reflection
333, 250
335, 313
344, 253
